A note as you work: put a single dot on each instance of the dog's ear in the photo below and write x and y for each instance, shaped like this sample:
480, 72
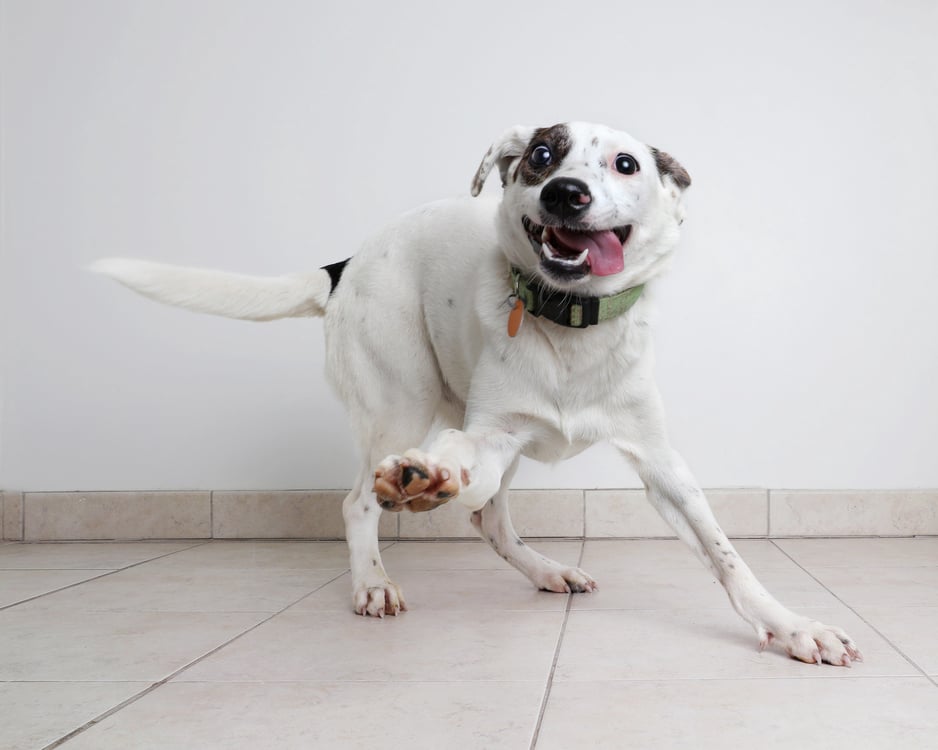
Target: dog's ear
668, 167
503, 152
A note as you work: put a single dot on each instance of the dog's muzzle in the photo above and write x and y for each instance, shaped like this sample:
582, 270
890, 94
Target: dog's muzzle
570, 253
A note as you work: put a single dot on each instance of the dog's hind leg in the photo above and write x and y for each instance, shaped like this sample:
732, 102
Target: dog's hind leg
493, 523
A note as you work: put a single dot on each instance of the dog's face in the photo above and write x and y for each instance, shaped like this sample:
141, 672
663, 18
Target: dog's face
585, 208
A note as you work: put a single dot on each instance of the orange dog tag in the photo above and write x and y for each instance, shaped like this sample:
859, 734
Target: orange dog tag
515, 317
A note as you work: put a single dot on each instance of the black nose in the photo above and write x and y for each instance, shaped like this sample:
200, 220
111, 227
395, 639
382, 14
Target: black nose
566, 197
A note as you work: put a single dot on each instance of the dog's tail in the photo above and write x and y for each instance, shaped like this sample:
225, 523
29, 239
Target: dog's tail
228, 294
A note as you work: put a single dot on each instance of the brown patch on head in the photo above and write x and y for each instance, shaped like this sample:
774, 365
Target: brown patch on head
668, 165
557, 139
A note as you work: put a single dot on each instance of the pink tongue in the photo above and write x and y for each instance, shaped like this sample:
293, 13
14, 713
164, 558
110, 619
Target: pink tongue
605, 251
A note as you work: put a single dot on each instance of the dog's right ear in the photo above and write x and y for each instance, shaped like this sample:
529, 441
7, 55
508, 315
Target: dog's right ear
503, 152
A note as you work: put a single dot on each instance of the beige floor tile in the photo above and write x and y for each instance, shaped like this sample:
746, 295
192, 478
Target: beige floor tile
474, 590
419, 645
784, 713
534, 513
117, 515
56, 645
631, 556
155, 587
702, 644
39, 713
18, 585
447, 521
852, 513
466, 555
694, 588
885, 587
882, 553
556, 513
284, 515
627, 513
244, 555
11, 515
913, 630
323, 715
84, 555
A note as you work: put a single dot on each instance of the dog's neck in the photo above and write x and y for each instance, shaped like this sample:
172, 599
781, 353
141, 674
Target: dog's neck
572, 311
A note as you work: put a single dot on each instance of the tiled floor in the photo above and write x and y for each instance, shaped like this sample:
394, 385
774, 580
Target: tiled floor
253, 645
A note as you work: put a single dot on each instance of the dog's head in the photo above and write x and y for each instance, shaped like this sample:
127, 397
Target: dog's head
585, 208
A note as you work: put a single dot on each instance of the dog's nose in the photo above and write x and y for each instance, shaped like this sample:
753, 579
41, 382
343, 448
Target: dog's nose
566, 197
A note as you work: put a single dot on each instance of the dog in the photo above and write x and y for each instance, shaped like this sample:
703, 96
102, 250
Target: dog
517, 327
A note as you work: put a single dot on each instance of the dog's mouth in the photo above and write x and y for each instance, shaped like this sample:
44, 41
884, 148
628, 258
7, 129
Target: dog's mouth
571, 253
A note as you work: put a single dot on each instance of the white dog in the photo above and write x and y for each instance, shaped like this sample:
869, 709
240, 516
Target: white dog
521, 324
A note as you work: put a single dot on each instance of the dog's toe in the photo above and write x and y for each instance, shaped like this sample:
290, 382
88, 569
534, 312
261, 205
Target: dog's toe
814, 643
563, 580
414, 481
378, 601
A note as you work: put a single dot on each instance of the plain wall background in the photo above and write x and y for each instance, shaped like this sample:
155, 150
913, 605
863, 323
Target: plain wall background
797, 342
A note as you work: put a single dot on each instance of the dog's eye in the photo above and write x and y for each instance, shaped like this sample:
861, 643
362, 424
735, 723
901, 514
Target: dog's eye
540, 156
626, 164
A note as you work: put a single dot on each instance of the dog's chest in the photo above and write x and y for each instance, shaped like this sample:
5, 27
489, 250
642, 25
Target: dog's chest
576, 395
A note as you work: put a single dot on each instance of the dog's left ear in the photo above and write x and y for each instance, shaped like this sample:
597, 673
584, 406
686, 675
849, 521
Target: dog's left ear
668, 167
503, 152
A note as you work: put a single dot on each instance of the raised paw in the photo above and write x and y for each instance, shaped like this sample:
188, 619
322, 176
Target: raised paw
813, 642
414, 481
378, 599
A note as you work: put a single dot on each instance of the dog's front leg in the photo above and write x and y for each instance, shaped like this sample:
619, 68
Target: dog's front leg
674, 492
373, 592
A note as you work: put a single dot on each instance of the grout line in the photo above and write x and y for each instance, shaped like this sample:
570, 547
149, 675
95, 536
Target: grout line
553, 664
862, 618
768, 513
146, 691
93, 578
583, 510
211, 514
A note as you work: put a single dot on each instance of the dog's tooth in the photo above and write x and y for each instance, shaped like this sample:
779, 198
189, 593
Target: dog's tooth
572, 262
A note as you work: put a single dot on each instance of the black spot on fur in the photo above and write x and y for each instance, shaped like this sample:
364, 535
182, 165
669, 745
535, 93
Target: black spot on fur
669, 166
335, 273
557, 139
443, 495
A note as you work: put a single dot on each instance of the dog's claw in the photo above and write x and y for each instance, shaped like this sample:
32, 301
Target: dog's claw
813, 642
378, 600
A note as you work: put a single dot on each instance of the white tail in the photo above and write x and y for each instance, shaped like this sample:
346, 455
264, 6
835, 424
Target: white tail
231, 295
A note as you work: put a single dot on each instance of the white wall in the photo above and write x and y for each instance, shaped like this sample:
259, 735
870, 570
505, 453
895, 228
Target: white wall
797, 332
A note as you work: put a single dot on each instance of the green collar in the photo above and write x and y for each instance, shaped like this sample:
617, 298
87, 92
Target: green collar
570, 310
